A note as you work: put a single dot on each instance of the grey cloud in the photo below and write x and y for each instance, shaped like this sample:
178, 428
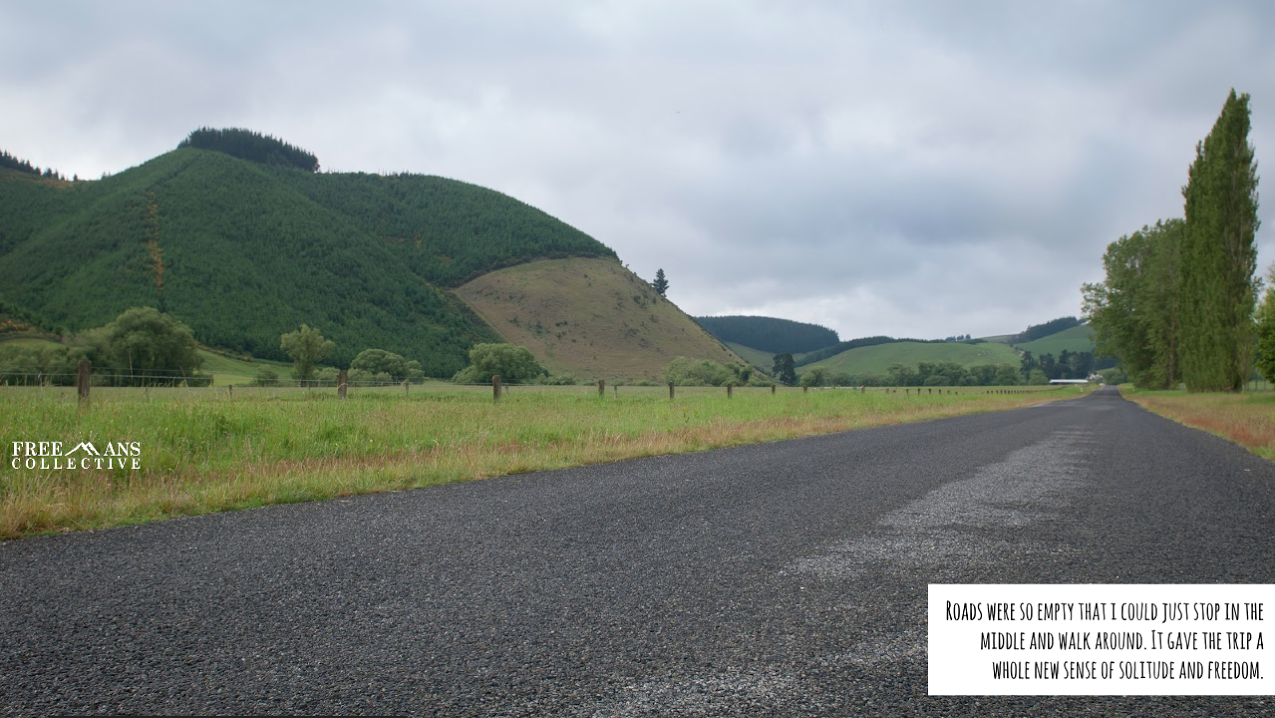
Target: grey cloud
921, 168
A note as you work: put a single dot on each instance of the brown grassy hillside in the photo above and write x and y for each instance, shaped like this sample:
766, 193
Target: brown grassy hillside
589, 317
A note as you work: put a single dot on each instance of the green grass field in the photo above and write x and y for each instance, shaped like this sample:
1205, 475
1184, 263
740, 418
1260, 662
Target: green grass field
1075, 339
228, 371
213, 449
877, 359
27, 342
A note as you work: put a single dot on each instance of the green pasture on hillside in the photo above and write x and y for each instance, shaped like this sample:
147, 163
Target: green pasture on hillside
877, 359
1074, 340
758, 358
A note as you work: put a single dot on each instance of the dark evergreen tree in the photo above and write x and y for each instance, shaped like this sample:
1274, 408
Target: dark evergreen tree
783, 369
659, 284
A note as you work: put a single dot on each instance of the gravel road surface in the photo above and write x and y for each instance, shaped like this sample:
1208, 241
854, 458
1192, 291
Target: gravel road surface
780, 579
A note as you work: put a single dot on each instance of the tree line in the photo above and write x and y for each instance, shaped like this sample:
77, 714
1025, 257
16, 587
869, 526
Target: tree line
252, 146
10, 162
1178, 304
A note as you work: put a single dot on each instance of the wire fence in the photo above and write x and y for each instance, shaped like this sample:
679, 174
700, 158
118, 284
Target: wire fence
159, 384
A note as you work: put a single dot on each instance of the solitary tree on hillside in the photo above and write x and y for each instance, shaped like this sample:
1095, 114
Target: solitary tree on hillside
307, 347
659, 284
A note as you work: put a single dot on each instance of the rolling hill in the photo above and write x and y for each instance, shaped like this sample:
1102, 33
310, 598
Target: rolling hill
243, 251
589, 317
1076, 339
876, 359
769, 334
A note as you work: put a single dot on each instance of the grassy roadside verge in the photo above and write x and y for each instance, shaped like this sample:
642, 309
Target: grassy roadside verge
205, 450
1247, 419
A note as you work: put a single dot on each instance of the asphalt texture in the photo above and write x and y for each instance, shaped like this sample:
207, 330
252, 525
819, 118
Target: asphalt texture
781, 579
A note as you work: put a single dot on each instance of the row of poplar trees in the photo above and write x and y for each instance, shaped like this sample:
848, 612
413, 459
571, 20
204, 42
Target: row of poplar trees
1179, 299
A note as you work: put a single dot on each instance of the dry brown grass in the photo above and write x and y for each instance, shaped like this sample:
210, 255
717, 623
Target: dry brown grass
1247, 419
590, 317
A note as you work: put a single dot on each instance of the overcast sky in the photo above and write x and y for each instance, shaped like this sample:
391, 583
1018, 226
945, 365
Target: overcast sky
906, 168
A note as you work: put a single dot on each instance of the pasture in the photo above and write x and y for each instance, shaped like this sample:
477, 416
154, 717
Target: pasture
212, 449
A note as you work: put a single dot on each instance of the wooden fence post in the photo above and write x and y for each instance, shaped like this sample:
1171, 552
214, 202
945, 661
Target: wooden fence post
342, 382
805, 389
670, 390
407, 388
83, 371
602, 389
772, 388
728, 389
495, 387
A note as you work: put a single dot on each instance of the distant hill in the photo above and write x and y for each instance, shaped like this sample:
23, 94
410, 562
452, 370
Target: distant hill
769, 334
877, 358
1039, 331
1074, 339
243, 250
758, 358
589, 317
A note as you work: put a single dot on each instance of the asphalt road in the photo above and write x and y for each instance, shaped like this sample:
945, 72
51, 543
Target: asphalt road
778, 579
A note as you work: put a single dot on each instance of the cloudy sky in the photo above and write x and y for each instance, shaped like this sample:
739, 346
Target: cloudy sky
905, 168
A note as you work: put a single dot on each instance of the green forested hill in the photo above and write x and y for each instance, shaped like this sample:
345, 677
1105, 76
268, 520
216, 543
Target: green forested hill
769, 334
243, 252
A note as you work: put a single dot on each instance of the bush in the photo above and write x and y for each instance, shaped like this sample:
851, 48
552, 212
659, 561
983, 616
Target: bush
815, 376
327, 376
388, 367
266, 377
514, 364
703, 372
558, 380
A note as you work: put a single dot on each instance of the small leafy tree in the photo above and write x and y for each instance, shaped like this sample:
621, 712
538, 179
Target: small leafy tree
1266, 329
150, 347
514, 364
266, 377
659, 284
816, 376
307, 347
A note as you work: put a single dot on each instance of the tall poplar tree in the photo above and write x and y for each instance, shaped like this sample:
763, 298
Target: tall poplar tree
1219, 257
